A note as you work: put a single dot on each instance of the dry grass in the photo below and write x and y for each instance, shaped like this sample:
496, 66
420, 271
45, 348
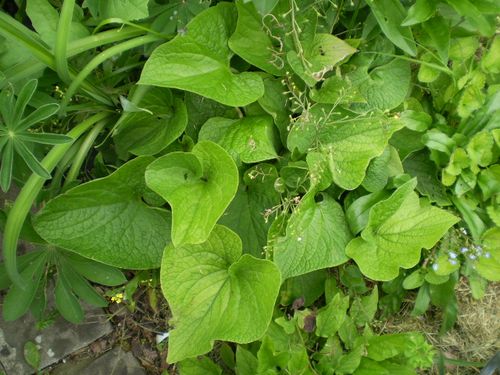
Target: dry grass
475, 336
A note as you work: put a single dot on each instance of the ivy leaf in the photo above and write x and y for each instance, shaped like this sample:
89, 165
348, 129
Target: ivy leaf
250, 31
199, 185
316, 236
250, 139
245, 214
106, 220
390, 14
398, 228
347, 144
215, 293
149, 131
198, 61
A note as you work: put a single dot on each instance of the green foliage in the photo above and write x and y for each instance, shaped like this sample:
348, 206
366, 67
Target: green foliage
293, 168
230, 296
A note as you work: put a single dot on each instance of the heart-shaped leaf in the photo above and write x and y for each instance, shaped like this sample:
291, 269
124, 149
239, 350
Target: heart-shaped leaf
198, 185
215, 293
316, 236
198, 61
398, 228
107, 221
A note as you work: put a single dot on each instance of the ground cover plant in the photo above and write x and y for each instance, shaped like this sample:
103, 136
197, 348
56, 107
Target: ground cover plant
290, 171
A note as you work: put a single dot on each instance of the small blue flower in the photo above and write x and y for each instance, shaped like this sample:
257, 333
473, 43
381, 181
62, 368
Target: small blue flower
487, 255
453, 262
435, 266
472, 256
463, 250
452, 255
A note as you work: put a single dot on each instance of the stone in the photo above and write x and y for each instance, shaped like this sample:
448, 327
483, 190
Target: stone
56, 341
113, 362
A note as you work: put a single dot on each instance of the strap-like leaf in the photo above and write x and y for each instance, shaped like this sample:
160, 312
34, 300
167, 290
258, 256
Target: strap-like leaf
31, 160
6, 171
45, 138
23, 99
40, 114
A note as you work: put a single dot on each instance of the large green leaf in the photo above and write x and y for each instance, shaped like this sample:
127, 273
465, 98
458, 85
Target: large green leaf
198, 61
250, 139
316, 236
159, 121
398, 228
347, 144
246, 213
384, 87
215, 293
107, 221
390, 14
198, 185
44, 18
250, 30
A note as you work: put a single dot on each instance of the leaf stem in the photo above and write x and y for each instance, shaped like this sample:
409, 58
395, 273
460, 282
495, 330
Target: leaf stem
27, 196
62, 36
100, 58
83, 151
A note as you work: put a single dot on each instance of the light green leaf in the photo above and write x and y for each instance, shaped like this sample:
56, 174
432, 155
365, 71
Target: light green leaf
439, 32
316, 236
198, 185
488, 264
147, 133
363, 309
480, 147
245, 214
215, 293
275, 102
390, 15
106, 220
127, 10
416, 120
250, 30
250, 139
246, 362
198, 61
331, 317
398, 228
347, 145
